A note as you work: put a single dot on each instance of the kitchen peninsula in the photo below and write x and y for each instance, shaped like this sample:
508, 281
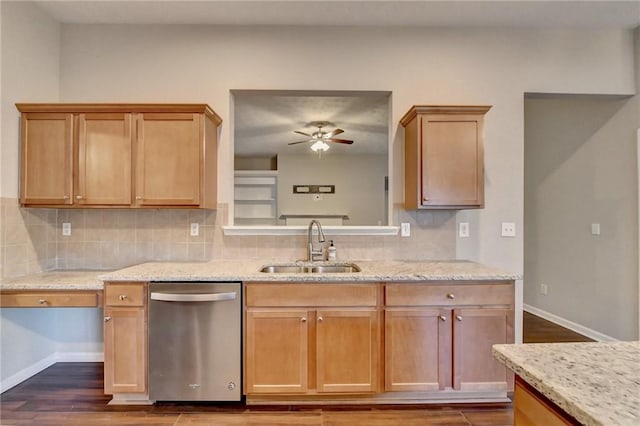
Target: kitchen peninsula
594, 383
421, 331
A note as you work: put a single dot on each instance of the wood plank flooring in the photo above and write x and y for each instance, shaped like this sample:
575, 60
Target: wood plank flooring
71, 394
539, 330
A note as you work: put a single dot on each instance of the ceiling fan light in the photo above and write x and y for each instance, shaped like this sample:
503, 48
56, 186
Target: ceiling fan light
319, 145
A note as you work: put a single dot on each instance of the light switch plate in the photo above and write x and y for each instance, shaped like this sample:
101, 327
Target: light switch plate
405, 229
508, 229
195, 229
463, 229
595, 229
66, 229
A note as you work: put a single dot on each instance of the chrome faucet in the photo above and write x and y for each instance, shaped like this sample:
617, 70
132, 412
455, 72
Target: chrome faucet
311, 253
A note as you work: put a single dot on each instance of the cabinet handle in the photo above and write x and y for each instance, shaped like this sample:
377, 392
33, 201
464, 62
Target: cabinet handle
122, 297
451, 296
442, 317
79, 197
303, 319
458, 317
320, 319
42, 301
107, 319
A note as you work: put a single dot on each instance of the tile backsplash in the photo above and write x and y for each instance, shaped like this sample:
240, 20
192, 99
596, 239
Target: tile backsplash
32, 241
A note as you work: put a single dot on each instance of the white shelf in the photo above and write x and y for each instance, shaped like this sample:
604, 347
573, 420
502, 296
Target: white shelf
302, 230
255, 197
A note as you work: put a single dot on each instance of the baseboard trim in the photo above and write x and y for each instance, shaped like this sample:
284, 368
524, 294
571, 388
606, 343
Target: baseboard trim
578, 328
47, 362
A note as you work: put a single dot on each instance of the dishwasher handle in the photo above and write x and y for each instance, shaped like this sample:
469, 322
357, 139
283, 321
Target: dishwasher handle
191, 297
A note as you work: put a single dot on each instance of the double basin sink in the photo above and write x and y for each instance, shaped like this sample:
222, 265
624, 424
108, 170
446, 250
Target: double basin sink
332, 268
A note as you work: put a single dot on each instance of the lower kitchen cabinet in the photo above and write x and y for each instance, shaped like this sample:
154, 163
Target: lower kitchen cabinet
474, 332
311, 339
125, 338
417, 349
433, 344
277, 351
346, 350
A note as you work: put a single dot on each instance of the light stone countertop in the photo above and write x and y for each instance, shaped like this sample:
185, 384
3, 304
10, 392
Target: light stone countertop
56, 280
248, 271
372, 271
597, 383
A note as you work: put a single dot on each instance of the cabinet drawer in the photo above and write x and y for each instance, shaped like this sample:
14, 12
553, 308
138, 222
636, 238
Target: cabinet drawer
129, 294
48, 299
311, 294
448, 295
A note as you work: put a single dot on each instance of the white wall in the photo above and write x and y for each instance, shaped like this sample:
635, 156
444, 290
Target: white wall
580, 168
358, 180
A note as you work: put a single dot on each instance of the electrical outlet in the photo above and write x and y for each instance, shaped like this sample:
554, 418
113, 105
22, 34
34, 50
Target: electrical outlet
544, 289
195, 229
463, 229
595, 229
508, 229
405, 229
66, 229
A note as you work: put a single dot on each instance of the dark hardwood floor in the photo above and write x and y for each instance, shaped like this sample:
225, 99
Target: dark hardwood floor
539, 330
71, 394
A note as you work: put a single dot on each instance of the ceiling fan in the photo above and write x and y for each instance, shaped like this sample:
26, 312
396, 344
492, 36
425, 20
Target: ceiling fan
320, 137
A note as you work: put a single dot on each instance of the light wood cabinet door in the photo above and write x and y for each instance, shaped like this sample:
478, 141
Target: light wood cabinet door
46, 177
474, 332
276, 353
104, 159
444, 157
347, 350
125, 350
452, 161
168, 159
417, 349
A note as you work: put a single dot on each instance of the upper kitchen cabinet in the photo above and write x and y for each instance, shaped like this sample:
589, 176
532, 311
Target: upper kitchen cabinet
118, 155
444, 157
46, 174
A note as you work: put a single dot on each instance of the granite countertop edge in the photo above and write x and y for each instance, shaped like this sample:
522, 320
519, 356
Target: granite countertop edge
554, 374
248, 271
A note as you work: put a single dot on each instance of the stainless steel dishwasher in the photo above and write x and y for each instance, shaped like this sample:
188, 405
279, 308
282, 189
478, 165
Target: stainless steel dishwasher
195, 341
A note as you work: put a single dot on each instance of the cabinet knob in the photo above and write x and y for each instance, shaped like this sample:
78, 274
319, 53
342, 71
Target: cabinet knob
79, 197
106, 319
320, 319
451, 296
458, 317
138, 197
425, 199
122, 297
303, 319
65, 197
42, 301
442, 317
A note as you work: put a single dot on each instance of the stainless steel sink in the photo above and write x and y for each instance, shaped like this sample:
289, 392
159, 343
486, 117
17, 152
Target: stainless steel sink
340, 268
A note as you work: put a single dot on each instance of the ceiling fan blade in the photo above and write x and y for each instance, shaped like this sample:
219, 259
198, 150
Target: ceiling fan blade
301, 133
294, 143
333, 133
348, 142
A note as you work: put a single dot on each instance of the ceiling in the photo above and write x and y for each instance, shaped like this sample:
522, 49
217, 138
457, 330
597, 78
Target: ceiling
449, 13
264, 122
